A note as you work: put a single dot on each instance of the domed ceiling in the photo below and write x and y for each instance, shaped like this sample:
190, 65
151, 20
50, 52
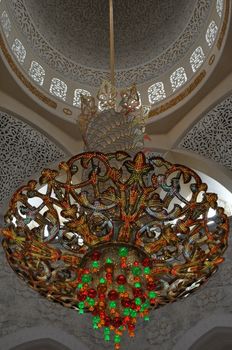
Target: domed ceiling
80, 30
72, 37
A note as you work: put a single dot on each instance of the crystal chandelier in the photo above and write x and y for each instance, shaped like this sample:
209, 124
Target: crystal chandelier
113, 232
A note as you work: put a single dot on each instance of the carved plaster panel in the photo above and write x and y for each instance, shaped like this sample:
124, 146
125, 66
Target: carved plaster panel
210, 137
80, 50
24, 152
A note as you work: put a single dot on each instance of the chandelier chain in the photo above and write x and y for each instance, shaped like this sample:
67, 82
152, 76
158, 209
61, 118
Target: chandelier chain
112, 54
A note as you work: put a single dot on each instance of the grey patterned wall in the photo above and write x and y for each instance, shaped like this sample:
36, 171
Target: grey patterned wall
211, 137
24, 151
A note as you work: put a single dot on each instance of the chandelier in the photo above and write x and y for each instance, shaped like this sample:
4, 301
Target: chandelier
113, 232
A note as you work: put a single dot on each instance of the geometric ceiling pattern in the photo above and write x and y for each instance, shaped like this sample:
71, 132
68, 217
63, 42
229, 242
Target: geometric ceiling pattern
211, 136
24, 151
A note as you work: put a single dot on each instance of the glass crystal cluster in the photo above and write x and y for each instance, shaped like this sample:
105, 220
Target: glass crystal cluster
117, 287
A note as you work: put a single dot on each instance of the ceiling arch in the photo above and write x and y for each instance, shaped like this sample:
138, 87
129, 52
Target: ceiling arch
219, 338
41, 344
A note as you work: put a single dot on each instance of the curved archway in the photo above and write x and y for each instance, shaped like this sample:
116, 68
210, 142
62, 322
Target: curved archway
203, 330
41, 344
40, 335
219, 338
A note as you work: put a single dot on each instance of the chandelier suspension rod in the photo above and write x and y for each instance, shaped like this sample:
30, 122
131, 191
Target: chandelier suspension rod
112, 56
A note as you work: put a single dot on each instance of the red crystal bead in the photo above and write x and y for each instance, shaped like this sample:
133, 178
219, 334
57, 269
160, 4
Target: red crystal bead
113, 295
96, 255
150, 286
133, 305
117, 322
153, 301
146, 262
95, 312
101, 296
82, 296
131, 326
92, 293
126, 302
102, 314
109, 276
137, 292
121, 279
136, 263
126, 320
107, 321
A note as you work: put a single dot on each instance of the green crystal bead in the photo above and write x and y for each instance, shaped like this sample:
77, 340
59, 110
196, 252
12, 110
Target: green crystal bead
123, 251
96, 319
121, 289
146, 318
106, 330
152, 294
112, 304
95, 264
147, 270
86, 278
117, 338
107, 337
137, 285
81, 311
80, 286
133, 313
136, 270
138, 301
81, 305
109, 261
102, 280
91, 302
126, 312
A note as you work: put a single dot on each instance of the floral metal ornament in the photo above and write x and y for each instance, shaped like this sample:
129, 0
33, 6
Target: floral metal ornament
120, 242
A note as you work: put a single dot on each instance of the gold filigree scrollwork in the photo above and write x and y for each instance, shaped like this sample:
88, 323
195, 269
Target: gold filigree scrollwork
151, 205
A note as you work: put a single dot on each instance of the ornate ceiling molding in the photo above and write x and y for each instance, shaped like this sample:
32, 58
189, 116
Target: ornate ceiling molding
23, 79
175, 100
210, 137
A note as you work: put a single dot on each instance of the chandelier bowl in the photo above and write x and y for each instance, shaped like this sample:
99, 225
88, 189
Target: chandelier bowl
129, 236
